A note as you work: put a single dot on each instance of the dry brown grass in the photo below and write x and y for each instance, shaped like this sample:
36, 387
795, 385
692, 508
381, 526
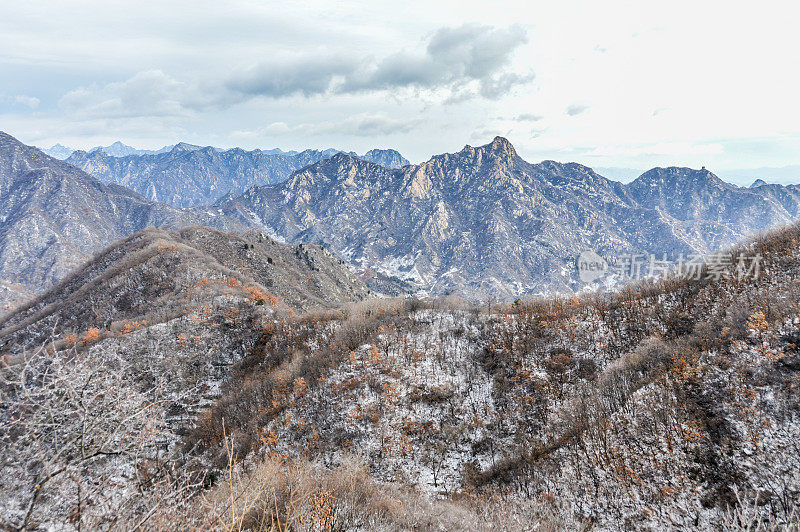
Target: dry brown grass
278, 495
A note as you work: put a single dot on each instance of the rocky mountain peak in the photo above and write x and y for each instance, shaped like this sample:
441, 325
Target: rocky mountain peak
388, 158
336, 165
185, 146
342, 171
679, 175
501, 145
674, 186
499, 151
117, 149
58, 151
758, 183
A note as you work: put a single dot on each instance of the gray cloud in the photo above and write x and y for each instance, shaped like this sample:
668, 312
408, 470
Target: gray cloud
576, 109
468, 61
453, 58
307, 75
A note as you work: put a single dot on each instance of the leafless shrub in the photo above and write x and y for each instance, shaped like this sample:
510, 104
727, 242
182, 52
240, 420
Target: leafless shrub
747, 515
82, 440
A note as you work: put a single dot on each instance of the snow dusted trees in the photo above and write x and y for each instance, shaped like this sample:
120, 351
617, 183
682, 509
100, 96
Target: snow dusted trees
82, 436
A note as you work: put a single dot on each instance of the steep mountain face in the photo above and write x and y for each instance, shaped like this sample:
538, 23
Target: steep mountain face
188, 175
53, 216
484, 222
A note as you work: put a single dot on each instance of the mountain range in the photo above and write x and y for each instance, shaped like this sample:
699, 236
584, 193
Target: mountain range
185, 377
117, 149
185, 175
484, 222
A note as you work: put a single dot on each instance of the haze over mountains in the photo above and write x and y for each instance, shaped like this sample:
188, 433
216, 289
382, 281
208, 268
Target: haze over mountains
116, 149
480, 222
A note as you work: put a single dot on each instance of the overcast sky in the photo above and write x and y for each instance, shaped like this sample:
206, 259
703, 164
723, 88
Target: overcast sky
605, 83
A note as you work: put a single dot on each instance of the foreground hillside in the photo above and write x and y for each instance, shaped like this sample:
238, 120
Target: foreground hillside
100, 375
671, 405
483, 222
156, 275
664, 406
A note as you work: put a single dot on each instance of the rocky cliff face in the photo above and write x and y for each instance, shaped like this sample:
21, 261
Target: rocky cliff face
484, 222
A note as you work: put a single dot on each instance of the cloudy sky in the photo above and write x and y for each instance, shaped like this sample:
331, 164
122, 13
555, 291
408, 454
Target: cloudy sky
623, 84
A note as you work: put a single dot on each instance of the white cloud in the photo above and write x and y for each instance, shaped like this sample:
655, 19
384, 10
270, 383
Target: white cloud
363, 125
147, 94
28, 101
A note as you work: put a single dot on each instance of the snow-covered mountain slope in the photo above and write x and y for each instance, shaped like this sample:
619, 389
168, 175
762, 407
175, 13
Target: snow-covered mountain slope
667, 406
